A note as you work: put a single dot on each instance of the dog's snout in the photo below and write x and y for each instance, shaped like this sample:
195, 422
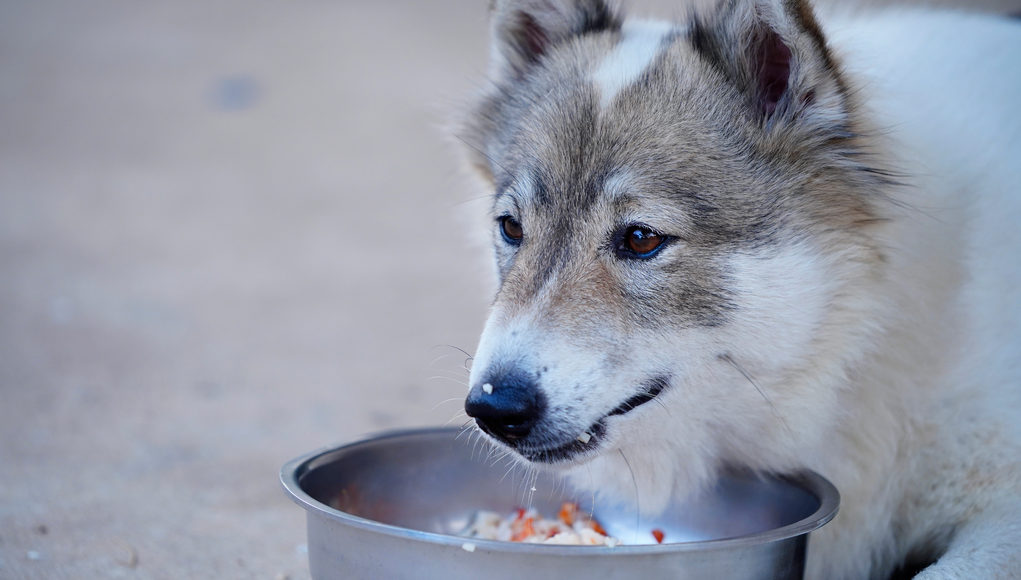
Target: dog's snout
506, 407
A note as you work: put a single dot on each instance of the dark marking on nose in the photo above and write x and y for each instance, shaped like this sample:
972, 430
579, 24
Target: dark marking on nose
506, 405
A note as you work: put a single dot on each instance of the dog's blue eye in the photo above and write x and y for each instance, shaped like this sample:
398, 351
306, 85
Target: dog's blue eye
639, 242
511, 230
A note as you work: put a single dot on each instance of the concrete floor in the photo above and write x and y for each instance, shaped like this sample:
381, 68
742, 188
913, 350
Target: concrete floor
231, 232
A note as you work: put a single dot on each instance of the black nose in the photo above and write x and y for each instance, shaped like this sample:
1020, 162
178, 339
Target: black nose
506, 406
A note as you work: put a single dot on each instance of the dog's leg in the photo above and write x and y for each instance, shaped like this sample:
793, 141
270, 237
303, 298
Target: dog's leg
988, 547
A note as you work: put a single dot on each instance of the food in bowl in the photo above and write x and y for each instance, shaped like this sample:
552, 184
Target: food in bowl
572, 526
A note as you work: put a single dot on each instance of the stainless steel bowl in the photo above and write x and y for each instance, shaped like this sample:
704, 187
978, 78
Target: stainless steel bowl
392, 506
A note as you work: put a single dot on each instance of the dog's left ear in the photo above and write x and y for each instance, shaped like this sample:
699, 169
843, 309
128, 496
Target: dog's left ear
523, 31
776, 55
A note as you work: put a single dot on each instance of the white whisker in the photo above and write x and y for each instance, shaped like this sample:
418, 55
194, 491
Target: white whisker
447, 401
638, 505
729, 359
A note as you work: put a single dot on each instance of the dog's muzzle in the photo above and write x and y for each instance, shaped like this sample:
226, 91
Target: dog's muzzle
511, 408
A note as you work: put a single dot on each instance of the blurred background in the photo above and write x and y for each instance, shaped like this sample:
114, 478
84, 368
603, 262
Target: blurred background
231, 232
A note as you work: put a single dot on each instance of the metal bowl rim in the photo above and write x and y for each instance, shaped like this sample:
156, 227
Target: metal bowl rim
291, 472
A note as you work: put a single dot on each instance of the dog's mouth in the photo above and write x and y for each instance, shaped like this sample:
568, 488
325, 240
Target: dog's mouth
567, 452
591, 439
651, 390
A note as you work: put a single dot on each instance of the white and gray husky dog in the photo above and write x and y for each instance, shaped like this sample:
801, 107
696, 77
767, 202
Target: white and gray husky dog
762, 240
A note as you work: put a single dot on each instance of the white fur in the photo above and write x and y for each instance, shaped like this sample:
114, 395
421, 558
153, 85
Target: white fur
950, 394
641, 41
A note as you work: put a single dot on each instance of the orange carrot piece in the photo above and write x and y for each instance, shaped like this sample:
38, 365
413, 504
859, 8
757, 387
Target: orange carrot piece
568, 511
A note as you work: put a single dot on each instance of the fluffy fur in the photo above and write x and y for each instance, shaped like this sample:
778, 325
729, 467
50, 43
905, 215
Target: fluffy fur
836, 285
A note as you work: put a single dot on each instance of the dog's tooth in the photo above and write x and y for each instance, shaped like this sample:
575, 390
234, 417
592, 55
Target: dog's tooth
487, 388
585, 437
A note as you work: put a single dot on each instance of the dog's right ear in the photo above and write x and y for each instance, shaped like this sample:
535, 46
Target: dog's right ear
774, 52
522, 31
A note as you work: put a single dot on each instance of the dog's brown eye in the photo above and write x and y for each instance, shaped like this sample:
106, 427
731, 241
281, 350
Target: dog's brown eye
640, 242
511, 230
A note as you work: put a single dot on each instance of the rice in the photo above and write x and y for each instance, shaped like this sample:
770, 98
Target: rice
571, 527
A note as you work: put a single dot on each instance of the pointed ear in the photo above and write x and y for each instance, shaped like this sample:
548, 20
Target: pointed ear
522, 31
776, 55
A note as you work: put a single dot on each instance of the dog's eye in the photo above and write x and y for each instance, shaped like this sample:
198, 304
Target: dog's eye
639, 242
511, 230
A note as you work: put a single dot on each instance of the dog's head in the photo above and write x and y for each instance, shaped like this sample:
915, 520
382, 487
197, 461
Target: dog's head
683, 226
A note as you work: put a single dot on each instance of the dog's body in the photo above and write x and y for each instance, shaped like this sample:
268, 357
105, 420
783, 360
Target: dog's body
799, 243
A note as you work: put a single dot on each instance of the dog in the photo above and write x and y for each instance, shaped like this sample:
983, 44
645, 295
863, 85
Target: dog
763, 240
